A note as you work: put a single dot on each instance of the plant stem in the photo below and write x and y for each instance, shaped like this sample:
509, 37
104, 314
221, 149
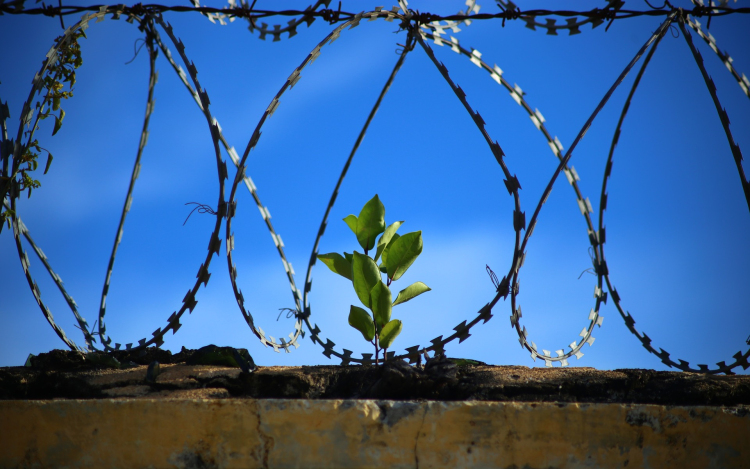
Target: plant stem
377, 350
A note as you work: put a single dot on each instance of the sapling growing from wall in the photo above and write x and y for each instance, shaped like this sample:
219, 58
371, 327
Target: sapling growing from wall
396, 254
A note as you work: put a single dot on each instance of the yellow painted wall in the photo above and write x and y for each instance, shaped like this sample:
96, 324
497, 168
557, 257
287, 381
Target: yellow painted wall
246, 433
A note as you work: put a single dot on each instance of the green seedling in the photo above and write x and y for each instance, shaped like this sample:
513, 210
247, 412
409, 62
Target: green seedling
396, 254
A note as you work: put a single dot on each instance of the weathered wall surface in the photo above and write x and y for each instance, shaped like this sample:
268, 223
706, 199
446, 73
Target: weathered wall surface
249, 433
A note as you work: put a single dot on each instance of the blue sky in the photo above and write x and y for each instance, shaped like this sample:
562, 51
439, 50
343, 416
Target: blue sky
677, 222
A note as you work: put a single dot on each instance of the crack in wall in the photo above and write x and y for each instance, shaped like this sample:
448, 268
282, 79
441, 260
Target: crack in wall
268, 441
419, 431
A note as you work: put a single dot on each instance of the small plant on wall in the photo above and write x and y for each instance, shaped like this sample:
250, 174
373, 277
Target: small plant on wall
396, 254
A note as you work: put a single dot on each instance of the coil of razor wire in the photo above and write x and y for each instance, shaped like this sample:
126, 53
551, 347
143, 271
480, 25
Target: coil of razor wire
744, 83
152, 79
324, 223
189, 301
741, 359
538, 120
241, 170
27, 115
174, 324
594, 317
536, 117
289, 83
598, 238
462, 330
266, 341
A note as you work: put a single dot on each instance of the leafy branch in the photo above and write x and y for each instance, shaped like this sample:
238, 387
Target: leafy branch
57, 82
396, 253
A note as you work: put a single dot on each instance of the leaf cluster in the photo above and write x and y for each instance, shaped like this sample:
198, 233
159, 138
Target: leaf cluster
58, 81
396, 254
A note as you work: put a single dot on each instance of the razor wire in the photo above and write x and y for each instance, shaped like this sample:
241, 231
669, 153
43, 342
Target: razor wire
263, 29
413, 353
597, 238
263, 210
585, 206
324, 223
203, 275
9, 148
189, 302
411, 21
572, 25
17, 7
741, 359
536, 117
152, 79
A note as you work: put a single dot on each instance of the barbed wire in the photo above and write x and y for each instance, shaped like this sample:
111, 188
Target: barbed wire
419, 28
509, 12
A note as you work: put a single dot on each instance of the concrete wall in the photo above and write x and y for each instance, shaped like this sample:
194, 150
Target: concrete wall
247, 433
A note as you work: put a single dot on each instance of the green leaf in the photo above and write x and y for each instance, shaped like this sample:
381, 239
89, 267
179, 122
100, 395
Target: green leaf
389, 333
348, 257
362, 321
403, 253
381, 303
386, 238
49, 162
384, 254
365, 275
413, 290
371, 223
55, 103
337, 263
351, 222
58, 121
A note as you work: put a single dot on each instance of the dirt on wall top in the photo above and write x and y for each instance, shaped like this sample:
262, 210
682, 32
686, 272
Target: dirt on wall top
156, 373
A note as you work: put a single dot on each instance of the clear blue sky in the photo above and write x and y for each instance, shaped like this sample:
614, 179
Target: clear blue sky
677, 222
